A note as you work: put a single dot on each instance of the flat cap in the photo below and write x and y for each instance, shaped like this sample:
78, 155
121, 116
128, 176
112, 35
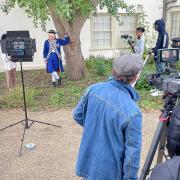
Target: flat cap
128, 65
51, 31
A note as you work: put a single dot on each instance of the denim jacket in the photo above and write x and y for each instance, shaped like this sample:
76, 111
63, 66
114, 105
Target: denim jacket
111, 141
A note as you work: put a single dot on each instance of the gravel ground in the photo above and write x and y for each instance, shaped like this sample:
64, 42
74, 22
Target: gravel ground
56, 149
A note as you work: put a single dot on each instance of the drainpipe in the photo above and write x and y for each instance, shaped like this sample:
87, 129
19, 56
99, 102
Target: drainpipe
165, 4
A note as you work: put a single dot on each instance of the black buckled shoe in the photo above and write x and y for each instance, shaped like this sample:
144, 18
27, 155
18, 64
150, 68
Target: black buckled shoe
54, 84
59, 82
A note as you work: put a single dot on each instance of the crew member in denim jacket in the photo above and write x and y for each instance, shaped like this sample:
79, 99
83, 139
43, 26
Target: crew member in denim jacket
111, 120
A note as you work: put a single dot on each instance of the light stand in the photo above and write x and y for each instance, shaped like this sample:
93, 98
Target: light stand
139, 74
27, 123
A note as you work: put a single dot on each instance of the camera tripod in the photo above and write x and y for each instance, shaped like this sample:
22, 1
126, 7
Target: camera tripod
160, 135
27, 123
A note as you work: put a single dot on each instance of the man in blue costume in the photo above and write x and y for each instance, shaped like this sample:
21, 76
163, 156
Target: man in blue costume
162, 42
111, 120
52, 55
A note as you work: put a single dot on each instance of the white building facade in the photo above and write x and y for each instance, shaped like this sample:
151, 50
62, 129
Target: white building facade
100, 35
172, 17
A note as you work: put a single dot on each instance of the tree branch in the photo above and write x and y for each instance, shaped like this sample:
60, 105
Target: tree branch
61, 26
95, 3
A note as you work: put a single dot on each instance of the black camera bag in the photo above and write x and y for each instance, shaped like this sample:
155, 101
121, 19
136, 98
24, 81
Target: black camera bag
173, 133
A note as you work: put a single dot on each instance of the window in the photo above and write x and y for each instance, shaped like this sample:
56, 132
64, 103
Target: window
175, 25
106, 32
101, 32
128, 25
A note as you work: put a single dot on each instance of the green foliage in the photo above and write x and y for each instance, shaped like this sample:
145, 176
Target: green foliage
65, 97
148, 102
41, 95
66, 9
2, 76
148, 69
70, 10
6, 6
100, 68
177, 65
113, 6
99, 65
14, 98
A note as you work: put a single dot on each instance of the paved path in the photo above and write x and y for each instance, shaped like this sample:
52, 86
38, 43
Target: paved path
56, 148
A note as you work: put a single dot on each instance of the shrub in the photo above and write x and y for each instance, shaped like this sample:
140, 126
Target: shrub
149, 68
99, 65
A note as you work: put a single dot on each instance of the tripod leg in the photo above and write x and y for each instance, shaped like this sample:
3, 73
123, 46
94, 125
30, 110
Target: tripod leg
44, 123
10, 125
162, 145
22, 141
152, 151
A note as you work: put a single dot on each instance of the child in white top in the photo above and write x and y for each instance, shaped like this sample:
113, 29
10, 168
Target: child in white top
10, 68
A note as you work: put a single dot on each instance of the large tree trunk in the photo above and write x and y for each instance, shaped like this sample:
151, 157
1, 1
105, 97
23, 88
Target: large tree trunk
74, 60
73, 54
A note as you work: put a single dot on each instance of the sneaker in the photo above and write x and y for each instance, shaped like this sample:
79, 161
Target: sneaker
157, 93
59, 82
54, 84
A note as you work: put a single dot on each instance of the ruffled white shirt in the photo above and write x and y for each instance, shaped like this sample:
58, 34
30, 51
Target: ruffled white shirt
8, 64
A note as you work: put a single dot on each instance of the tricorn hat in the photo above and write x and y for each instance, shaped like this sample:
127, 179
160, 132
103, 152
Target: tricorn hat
51, 31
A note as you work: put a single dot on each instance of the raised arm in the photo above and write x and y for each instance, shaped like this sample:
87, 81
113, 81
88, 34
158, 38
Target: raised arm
64, 41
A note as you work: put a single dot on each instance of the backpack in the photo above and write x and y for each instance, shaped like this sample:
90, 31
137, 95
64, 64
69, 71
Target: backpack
169, 170
173, 133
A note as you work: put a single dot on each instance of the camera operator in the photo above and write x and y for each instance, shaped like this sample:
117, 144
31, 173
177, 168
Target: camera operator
162, 42
111, 120
139, 45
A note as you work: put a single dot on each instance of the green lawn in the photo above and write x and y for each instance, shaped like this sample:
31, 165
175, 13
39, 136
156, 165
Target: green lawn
41, 95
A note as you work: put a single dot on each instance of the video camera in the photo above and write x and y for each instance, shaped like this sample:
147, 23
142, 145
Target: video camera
169, 80
128, 38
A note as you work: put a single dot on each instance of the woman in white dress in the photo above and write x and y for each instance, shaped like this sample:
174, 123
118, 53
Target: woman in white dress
10, 68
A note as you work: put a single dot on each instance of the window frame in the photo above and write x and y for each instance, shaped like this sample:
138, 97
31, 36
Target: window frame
92, 33
114, 27
171, 24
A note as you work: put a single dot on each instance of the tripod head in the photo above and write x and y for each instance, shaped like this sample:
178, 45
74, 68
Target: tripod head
169, 104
